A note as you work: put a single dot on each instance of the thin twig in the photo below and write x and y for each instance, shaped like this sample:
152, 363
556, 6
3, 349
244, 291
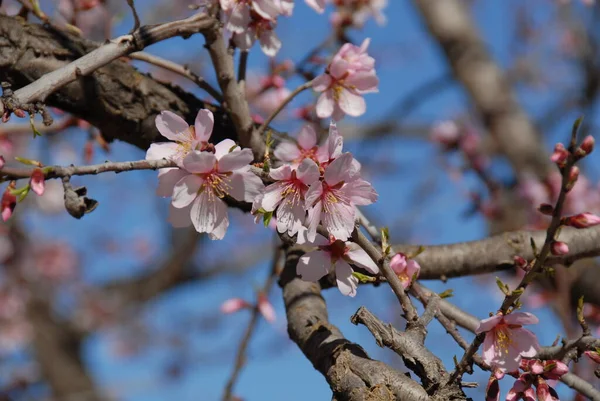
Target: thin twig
240, 358
179, 69
275, 112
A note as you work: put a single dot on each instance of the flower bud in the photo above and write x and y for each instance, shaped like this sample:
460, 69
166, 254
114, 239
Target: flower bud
265, 308
37, 181
19, 113
593, 355
8, 202
560, 154
573, 176
234, 305
582, 220
555, 369
559, 248
587, 146
520, 262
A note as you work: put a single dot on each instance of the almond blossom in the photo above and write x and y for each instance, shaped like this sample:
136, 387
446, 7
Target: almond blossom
305, 148
332, 201
185, 138
198, 196
506, 341
263, 30
350, 74
238, 12
287, 195
335, 256
404, 268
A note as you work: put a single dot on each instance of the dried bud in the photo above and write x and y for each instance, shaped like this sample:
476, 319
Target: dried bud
559, 248
582, 220
560, 154
546, 208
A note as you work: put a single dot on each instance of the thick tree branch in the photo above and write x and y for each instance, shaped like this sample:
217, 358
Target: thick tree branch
351, 374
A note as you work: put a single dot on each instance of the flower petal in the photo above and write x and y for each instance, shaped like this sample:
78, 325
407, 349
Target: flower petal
360, 192
339, 219
341, 169
222, 148
286, 151
186, 190
273, 196
308, 172
363, 81
307, 138
203, 125
359, 257
521, 318
352, 103
488, 324
313, 194
321, 83
235, 160
335, 142
269, 43
281, 173
313, 265
290, 216
489, 349
245, 186
199, 162
207, 213
239, 18
167, 178
312, 221
346, 282
163, 150
324, 107
525, 342
171, 126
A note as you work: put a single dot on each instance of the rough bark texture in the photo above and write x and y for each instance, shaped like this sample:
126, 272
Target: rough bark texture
351, 374
118, 99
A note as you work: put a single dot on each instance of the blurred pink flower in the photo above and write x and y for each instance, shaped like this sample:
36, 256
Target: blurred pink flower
405, 269
266, 308
233, 305
559, 248
37, 181
506, 341
305, 148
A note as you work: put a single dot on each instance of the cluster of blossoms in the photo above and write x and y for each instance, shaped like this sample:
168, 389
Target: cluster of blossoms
349, 75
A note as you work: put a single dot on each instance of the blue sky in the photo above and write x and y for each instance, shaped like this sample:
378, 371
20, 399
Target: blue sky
276, 369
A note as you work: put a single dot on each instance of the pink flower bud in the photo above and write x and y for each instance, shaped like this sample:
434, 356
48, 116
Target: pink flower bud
535, 366
520, 262
9, 202
265, 308
573, 176
234, 305
593, 355
404, 268
588, 144
546, 208
582, 220
446, 133
560, 154
19, 113
555, 369
37, 181
559, 248
2, 162
492, 392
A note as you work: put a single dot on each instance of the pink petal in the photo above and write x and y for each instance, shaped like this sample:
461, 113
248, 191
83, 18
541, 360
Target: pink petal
239, 18
179, 218
398, 263
273, 196
203, 125
346, 282
363, 82
266, 8
341, 169
245, 40
186, 190
313, 194
360, 192
339, 221
308, 172
199, 162
266, 309
220, 229
207, 213
37, 181
224, 147
489, 349
312, 221
338, 114
351, 103
338, 67
281, 173
488, 324
163, 150
171, 126
245, 186
335, 142
525, 342
167, 178
269, 43
313, 265
290, 216
321, 83
235, 160
307, 138
286, 151
359, 257
233, 305
521, 318
317, 5
325, 104
412, 268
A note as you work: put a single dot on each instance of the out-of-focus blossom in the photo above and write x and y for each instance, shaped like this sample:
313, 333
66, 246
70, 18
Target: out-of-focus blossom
305, 148
54, 261
335, 255
266, 309
37, 181
185, 138
405, 269
9, 201
582, 220
355, 13
559, 248
350, 75
446, 133
198, 195
233, 305
91, 16
506, 341
53, 199
560, 154
264, 31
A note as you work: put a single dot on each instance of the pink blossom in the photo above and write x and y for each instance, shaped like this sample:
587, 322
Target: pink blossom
287, 194
55, 261
265, 308
211, 177
559, 248
404, 268
446, 133
560, 154
582, 220
332, 200
335, 255
238, 12
305, 148
520, 387
37, 181
492, 390
185, 138
350, 74
2, 162
233, 305
506, 341
587, 145
544, 392
263, 30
